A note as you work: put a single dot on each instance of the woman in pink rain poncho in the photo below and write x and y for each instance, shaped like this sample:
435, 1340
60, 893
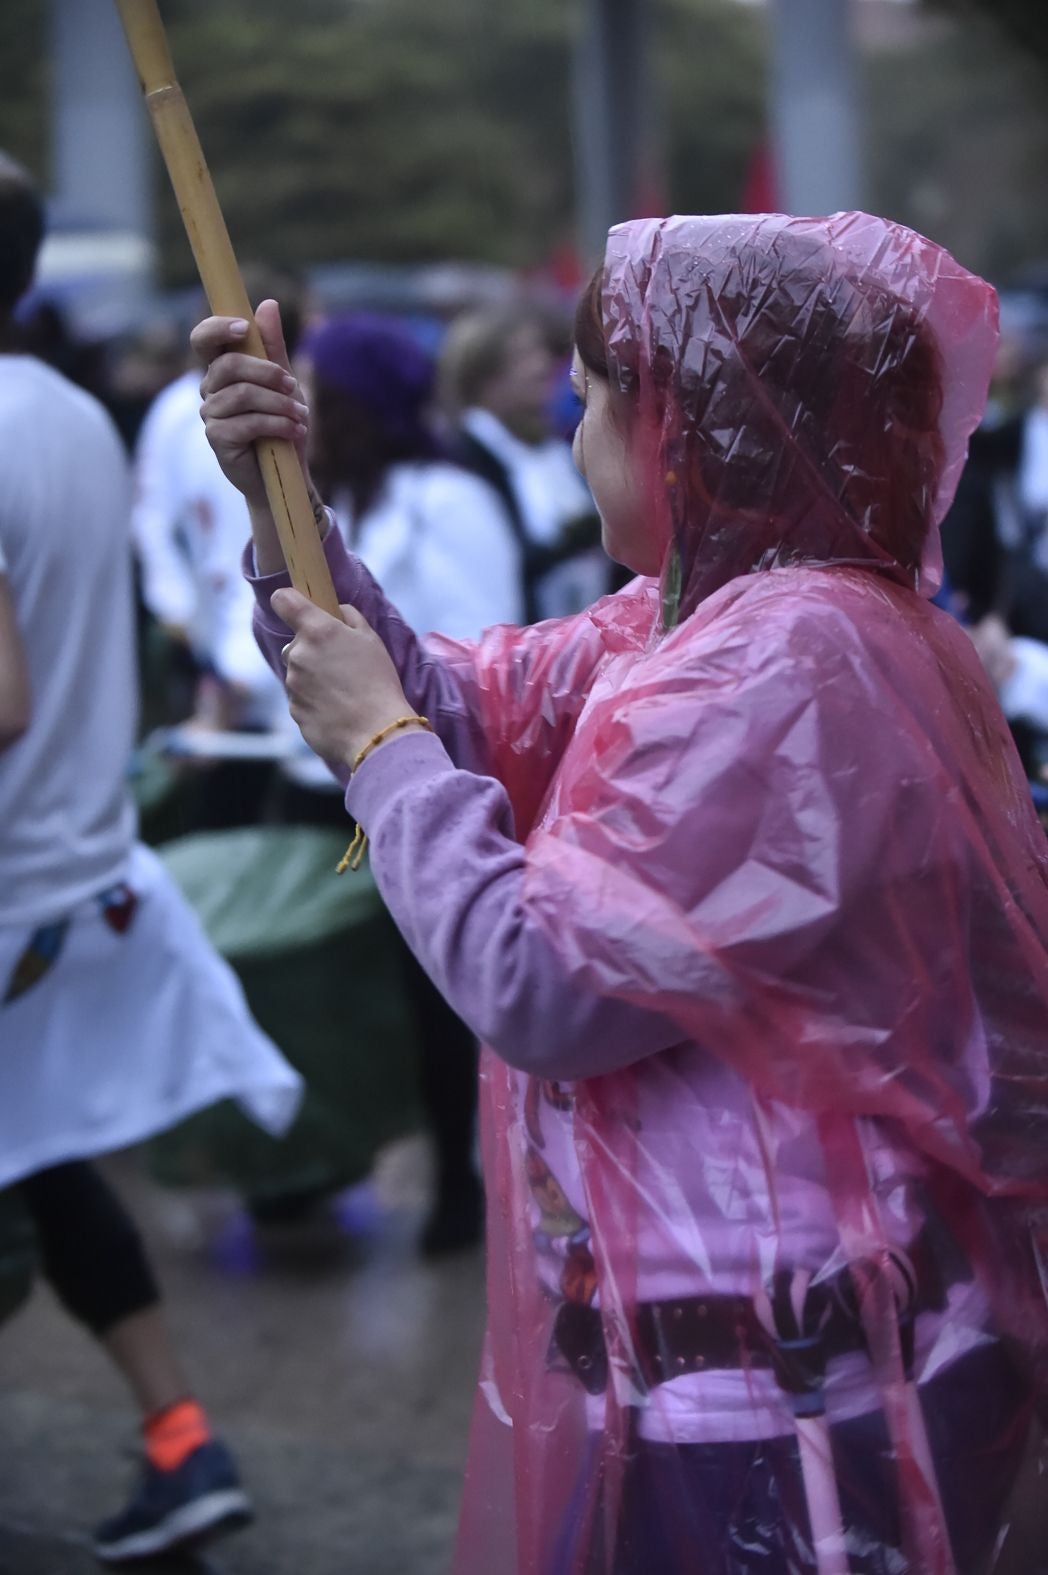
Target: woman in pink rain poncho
737, 876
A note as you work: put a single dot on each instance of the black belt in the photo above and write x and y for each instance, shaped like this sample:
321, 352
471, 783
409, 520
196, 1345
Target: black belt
704, 1333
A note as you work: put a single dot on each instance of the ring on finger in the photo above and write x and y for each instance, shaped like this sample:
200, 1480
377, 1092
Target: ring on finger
284, 650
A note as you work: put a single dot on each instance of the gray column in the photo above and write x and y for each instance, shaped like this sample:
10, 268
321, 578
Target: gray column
100, 151
613, 117
815, 114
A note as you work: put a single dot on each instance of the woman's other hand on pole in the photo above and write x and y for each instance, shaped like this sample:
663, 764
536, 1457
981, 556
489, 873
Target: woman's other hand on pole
341, 683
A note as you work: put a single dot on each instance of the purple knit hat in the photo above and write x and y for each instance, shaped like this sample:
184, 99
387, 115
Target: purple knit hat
376, 361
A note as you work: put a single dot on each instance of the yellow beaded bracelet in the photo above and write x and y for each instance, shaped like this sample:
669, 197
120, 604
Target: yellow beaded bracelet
354, 854
393, 727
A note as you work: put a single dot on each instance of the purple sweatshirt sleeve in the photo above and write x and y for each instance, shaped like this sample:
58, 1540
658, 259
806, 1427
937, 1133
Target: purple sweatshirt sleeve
431, 686
452, 875
449, 868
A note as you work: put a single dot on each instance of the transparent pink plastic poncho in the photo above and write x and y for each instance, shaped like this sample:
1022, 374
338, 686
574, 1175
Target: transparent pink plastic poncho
773, 1298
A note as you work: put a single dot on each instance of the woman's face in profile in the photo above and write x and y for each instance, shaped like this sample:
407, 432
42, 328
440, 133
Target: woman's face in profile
607, 460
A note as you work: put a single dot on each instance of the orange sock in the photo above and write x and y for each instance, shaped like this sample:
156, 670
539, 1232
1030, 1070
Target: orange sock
174, 1433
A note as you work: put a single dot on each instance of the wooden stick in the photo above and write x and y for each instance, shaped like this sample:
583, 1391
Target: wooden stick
206, 228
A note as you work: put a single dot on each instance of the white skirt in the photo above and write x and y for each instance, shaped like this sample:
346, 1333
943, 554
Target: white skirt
126, 1031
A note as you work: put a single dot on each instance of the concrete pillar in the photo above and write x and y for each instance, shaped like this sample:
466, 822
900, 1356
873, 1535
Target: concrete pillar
100, 149
815, 115
613, 118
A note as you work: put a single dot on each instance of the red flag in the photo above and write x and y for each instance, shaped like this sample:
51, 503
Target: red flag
760, 194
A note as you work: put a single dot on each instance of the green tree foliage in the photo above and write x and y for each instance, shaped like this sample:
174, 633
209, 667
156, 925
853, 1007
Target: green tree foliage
1023, 22
399, 130
403, 130
381, 129
711, 76
24, 82
957, 141
410, 130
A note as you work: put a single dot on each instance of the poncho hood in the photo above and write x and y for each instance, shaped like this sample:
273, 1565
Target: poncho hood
808, 387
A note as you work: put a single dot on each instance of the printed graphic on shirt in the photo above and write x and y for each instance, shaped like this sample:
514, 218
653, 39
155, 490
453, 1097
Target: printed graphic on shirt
561, 1234
557, 1097
40, 955
118, 905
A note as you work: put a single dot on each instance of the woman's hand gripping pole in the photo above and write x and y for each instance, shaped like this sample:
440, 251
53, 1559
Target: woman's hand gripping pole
282, 474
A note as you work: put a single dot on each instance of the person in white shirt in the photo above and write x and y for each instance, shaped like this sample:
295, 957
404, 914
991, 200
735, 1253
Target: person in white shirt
1033, 462
435, 534
497, 376
167, 583
117, 1018
189, 527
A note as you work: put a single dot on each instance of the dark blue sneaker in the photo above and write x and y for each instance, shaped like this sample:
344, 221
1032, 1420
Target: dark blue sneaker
199, 1499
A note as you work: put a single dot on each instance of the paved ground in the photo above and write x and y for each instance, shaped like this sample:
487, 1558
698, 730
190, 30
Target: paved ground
338, 1364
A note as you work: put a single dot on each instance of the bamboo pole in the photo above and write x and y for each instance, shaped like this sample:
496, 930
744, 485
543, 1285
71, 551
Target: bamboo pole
217, 265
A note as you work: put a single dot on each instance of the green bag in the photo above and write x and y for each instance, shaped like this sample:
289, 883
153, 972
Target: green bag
320, 963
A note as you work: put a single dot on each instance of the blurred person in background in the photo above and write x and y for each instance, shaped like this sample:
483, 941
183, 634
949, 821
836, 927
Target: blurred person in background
117, 1018
135, 370
738, 875
981, 531
42, 328
438, 536
419, 519
168, 586
188, 525
995, 548
497, 385
1028, 605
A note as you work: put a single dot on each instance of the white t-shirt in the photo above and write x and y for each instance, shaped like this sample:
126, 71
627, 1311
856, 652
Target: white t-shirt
438, 542
66, 818
549, 492
167, 581
190, 525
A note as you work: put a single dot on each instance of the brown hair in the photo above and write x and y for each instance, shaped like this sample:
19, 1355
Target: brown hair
589, 328
475, 350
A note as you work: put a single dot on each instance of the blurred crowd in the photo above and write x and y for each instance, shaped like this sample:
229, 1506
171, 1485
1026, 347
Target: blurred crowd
442, 443
995, 544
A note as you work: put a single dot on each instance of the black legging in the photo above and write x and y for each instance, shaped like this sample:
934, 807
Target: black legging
90, 1248
447, 1048
447, 1077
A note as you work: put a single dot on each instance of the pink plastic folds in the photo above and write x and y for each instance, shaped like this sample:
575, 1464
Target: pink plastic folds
772, 1299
